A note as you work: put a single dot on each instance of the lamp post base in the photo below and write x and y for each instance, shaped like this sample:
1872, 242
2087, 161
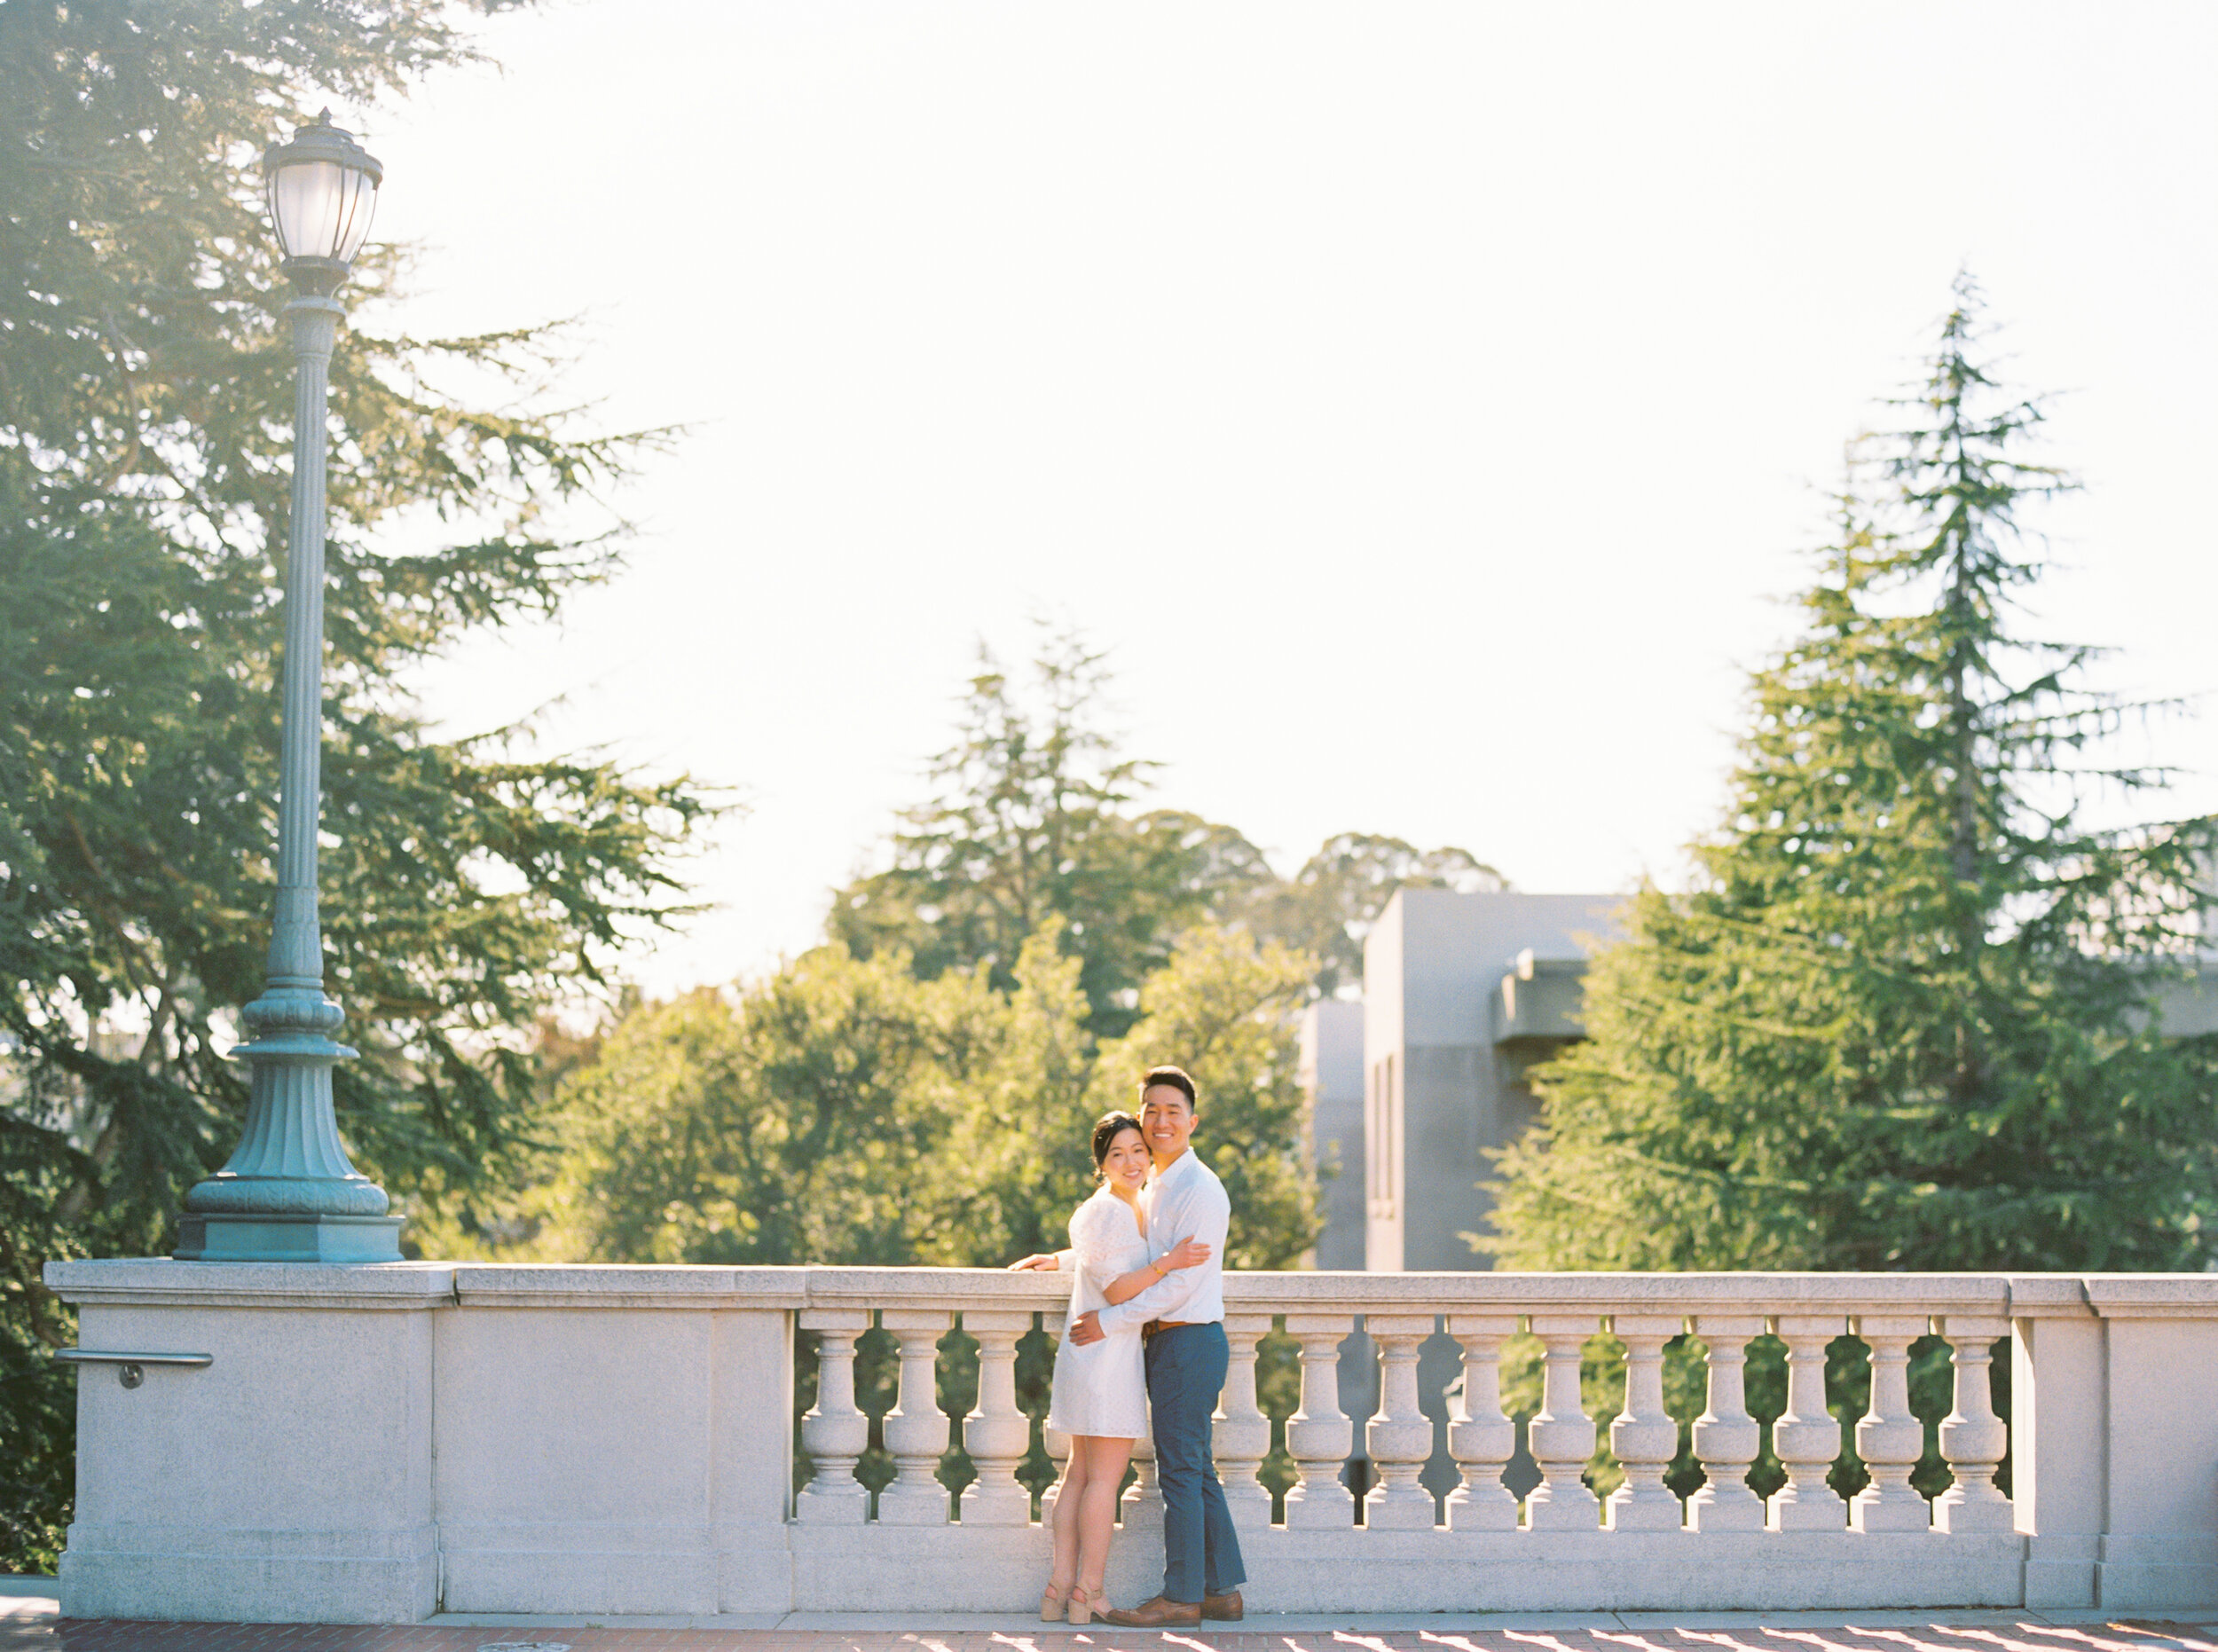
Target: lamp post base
270, 1237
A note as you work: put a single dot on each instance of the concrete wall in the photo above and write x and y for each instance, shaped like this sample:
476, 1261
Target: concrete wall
375, 1443
1332, 1073
1439, 1088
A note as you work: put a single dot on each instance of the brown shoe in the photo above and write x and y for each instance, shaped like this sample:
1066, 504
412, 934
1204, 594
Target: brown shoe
1222, 1608
1157, 1614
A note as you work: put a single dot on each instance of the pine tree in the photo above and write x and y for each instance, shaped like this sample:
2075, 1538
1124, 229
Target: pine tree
1905, 1019
145, 388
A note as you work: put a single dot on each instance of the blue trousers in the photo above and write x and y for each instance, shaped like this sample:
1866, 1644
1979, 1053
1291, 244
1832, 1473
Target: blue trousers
1185, 1374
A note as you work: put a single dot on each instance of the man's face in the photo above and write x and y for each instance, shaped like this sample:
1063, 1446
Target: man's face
1166, 1120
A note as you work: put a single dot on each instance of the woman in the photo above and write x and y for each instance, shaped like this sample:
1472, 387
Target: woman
1100, 1396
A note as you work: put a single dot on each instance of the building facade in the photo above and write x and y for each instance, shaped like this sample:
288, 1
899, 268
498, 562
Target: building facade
1463, 994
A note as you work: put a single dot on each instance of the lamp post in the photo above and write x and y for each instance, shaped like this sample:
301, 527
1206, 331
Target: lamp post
290, 1192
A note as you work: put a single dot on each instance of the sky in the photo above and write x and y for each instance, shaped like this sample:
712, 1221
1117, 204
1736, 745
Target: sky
1429, 408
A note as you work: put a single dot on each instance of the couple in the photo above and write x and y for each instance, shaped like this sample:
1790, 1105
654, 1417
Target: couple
1145, 1332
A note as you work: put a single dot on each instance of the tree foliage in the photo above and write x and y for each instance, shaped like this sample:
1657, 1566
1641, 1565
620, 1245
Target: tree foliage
1030, 824
145, 395
1905, 1019
847, 1111
1036, 819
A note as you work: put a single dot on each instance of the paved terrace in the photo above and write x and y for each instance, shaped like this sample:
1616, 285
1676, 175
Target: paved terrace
30, 1620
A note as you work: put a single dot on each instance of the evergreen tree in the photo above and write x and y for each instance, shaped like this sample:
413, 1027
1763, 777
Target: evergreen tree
1032, 824
1036, 823
1905, 1019
145, 391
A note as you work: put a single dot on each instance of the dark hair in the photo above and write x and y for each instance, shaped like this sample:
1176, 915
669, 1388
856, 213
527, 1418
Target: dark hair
1106, 1130
1175, 1077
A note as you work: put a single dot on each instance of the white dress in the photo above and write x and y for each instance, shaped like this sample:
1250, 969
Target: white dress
1101, 1389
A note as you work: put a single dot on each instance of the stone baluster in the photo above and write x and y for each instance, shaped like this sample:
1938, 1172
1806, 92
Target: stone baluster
1319, 1435
996, 1433
1399, 1437
1890, 1438
1727, 1438
1561, 1433
1240, 1432
1141, 1507
917, 1430
1644, 1436
1972, 1437
836, 1432
1806, 1436
1480, 1437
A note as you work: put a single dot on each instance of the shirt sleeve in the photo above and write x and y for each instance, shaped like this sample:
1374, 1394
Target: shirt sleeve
1204, 1214
1095, 1246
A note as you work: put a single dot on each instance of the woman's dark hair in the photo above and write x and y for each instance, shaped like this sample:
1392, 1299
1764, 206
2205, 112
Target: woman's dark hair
1106, 1130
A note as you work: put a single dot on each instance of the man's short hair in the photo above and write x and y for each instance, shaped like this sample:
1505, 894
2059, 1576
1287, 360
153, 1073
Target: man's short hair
1175, 1077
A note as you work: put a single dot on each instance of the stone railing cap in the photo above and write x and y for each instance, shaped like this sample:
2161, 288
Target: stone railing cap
2152, 1295
157, 1280
627, 1285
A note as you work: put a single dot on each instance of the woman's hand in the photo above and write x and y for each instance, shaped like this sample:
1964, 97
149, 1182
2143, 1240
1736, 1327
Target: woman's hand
1043, 1264
1186, 1253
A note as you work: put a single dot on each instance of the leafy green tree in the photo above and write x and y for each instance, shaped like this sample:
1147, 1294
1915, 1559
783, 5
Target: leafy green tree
1031, 825
1905, 1019
1224, 1007
811, 1119
845, 1111
146, 388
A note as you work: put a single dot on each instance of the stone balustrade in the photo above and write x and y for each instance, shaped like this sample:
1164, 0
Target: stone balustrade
376, 1443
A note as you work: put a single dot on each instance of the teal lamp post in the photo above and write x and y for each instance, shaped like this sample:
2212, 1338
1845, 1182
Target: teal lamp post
289, 1193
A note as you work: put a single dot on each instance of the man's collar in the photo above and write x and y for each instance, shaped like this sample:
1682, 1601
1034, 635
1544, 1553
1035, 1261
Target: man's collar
1164, 1172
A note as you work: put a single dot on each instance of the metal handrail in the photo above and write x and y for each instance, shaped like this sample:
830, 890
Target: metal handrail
99, 1356
130, 1367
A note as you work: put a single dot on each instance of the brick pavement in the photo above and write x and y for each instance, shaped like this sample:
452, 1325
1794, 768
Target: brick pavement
1983, 1631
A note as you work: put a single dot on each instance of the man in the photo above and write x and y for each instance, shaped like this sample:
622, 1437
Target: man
1183, 1320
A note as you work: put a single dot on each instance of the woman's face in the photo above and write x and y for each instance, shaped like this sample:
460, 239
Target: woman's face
1125, 1165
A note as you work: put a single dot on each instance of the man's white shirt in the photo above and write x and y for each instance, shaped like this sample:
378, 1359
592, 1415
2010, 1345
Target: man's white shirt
1184, 1201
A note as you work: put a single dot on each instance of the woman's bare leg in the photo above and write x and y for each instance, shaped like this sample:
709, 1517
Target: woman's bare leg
1068, 1497
1098, 1513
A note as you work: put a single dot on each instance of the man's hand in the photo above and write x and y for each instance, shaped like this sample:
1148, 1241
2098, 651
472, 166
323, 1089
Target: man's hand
1087, 1328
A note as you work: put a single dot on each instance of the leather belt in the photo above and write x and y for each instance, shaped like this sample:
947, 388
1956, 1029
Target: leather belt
1153, 1325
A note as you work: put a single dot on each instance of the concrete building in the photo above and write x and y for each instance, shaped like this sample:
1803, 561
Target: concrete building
1332, 1072
1463, 994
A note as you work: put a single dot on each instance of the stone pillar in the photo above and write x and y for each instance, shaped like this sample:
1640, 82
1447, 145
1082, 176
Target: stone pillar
1480, 1437
1890, 1438
1240, 1431
835, 1433
1645, 1437
1807, 1435
2059, 1438
1400, 1436
917, 1430
1727, 1438
1562, 1435
996, 1433
1320, 1436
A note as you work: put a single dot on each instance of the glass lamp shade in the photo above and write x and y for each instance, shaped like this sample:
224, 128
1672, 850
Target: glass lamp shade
322, 188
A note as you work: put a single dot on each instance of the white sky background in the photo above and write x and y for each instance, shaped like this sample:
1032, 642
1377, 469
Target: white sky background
1426, 404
